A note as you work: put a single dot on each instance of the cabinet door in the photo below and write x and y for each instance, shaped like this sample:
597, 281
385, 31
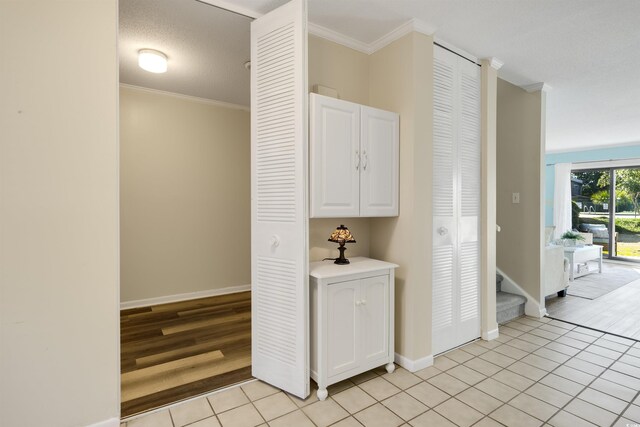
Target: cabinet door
374, 309
335, 158
342, 324
379, 145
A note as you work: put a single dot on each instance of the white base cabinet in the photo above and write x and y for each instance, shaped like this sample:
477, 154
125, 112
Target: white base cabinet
351, 319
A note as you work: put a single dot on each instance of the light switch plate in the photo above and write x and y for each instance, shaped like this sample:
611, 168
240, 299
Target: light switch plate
515, 198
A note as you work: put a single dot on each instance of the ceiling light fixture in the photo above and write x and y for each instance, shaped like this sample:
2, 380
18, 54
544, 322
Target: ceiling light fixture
153, 61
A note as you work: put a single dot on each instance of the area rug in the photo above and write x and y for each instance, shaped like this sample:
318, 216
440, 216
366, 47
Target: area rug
595, 285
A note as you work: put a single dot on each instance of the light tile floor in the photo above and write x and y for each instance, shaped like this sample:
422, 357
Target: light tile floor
538, 372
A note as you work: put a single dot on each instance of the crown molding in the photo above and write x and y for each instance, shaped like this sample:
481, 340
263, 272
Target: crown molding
336, 37
495, 63
369, 48
542, 87
231, 6
186, 97
401, 31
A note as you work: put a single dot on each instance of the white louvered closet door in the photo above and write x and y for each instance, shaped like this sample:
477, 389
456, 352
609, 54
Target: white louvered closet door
279, 218
456, 201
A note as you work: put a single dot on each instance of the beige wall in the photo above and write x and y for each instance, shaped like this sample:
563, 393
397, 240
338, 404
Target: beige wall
184, 195
59, 326
520, 149
401, 76
340, 68
347, 71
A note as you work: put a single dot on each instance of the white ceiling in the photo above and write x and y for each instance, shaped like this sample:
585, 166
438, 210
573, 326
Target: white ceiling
588, 51
206, 48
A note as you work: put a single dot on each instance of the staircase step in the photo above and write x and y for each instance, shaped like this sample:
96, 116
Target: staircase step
499, 279
509, 306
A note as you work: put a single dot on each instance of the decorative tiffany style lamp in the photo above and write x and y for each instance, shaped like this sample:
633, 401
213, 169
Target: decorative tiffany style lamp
342, 235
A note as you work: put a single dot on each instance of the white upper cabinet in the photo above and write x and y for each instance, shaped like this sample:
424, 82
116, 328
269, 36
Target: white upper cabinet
354, 165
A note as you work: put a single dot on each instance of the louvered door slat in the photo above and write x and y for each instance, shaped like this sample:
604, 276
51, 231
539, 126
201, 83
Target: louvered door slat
443, 136
279, 234
456, 201
444, 202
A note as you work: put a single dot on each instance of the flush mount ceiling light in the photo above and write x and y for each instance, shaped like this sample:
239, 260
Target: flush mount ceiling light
153, 61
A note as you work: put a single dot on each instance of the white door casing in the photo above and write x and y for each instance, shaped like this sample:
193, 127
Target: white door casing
279, 217
456, 201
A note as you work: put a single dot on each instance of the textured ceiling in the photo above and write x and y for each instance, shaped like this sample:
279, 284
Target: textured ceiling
586, 50
206, 46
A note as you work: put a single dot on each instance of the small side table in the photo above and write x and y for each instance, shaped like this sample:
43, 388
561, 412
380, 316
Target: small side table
579, 255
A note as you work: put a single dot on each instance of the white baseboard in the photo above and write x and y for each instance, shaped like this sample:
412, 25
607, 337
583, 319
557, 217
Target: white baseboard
413, 365
490, 335
532, 307
111, 422
183, 297
534, 310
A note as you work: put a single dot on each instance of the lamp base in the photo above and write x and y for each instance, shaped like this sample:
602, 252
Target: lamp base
341, 259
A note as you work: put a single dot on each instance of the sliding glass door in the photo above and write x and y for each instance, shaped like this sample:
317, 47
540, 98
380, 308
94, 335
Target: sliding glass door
626, 217
606, 203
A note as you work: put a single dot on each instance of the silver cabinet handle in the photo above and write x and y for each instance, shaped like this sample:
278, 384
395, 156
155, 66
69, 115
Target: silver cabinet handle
442, 231
364, 160
357, 159
275, 241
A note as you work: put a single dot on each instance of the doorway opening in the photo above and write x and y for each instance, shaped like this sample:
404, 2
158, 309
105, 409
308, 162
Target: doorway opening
606, 211
606, 204
185, 239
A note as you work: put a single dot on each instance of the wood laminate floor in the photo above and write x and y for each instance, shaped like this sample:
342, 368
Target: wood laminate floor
171, 352
617, 312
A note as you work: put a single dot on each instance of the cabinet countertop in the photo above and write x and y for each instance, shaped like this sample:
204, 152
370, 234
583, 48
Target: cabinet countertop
328, 269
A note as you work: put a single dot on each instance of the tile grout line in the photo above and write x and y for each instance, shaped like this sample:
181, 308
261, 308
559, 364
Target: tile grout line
596, 377
213, 410
254, 406
606, 368
473, 386
634, 397
585, 342
374, 404
593, 329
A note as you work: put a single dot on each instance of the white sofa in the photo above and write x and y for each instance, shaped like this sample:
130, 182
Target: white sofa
556, 267
556, 271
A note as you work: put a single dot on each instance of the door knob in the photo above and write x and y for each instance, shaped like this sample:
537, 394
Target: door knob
275, 241
442, 231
